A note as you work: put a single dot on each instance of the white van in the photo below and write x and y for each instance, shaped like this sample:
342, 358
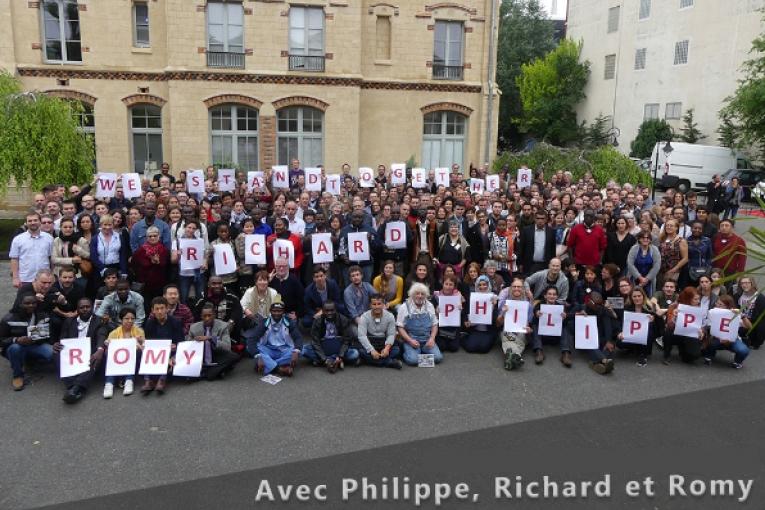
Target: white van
692, 166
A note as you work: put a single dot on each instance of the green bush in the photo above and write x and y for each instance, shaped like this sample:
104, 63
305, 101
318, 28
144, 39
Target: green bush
604, 163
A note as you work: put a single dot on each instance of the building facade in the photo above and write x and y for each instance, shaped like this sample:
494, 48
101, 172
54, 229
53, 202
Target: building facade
256, 83
660, 58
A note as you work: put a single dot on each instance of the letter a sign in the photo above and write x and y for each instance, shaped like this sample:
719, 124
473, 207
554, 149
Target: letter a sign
321, 248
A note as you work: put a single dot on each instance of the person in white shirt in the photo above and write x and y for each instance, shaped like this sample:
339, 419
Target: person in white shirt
30, 251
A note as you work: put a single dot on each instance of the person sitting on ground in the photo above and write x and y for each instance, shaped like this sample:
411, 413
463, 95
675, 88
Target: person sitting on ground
227, 306
389, 285
514, 343
161, 325
109, 310
418, 325
600, 360
688, 348
320, 291
480, 338
638, 303
218, 358
552, 276
331, 340
175, 308
276, 343
84, 325
448, 337
126, 329
737, 347
377, 335
25, 336
551, 297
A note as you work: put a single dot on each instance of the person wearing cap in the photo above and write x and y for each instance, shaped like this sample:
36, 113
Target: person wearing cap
276, 343
587, 241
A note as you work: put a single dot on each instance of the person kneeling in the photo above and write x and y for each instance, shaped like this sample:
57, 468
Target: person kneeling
600, 361
738, 347
418, 325
331, 340
276, 342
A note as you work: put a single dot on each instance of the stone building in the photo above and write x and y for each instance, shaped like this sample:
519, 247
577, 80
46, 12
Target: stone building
259, 82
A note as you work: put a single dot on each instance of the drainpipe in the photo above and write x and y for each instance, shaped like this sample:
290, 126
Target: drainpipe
488, 157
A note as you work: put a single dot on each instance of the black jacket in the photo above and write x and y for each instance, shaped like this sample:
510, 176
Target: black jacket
525, 247
318, 330
97, 331
14, 324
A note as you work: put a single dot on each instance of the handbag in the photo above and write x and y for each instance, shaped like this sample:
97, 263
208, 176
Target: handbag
697, 272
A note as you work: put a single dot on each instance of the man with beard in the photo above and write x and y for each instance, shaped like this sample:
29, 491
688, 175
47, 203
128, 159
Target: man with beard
226, 305
397, 255
587, 241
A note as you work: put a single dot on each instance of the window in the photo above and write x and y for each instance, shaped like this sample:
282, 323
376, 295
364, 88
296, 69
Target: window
447, 50
146, 130
681, 52
234, 136
61, 24
225, 37
443, 140
645, 9
86, 121
686, 3
610, 69
141, 25
300, 135
640, 58
673, 111
383, 38
306, 38
613, 19
651, 111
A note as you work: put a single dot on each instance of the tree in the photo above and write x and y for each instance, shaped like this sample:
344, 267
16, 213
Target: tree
550, 89
727, 131
524, 35
651, 131
40, 139
746, 107
690, 129
597, 133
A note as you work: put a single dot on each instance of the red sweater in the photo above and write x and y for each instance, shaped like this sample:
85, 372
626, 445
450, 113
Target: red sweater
731, 250
296, 242
587, 247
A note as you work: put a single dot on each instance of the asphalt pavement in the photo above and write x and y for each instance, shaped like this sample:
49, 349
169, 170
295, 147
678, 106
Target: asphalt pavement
55, 453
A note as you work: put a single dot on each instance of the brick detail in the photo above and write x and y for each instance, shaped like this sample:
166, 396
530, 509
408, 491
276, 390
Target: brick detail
243, 77
431, 27
143, 98
423, 15
329, 16
467, 65
372, 7
201, 8
329, 56
248, 11
468, 30
201, 49
479, 19
73, 94
82, 7
33, 5
454, 107
285, 53
36, 46
451, 5
300, 101
267, 135
232, 98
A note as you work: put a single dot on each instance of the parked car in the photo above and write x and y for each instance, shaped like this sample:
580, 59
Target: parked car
691, 166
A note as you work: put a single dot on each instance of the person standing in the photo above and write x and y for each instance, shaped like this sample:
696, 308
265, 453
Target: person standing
30, 251
587, 241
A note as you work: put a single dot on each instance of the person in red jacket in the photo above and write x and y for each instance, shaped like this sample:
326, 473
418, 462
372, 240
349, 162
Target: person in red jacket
281, 232
587, 241
729, 249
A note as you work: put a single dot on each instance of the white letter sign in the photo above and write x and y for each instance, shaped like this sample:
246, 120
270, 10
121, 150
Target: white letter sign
223, 258
191, 253
516, 316
551, 321
635, 328
481, 307
255, 249
586, 332
74, 358
155, 357
226, 179
397, 173
120, 356
333, 183
524, 178
106, 185
313, 179
188, 359
255, 180
284, 249
280, 176
395, 235
321, 248
476, 185
131, 185
366, 177
419, 177
442, 177
195, 181
723, 324
449, 310
358, 246
688, 321
492, 183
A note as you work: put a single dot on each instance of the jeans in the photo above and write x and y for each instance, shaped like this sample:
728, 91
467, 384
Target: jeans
730, 212
410, 353
17, 354
394, 353
565, 340
274, 357
186, 282
351, 355
738, 348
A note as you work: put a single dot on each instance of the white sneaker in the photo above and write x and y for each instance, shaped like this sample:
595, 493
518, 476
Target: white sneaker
108, 390
128, 389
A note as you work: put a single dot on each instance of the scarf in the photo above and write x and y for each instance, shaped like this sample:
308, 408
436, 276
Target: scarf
151, 249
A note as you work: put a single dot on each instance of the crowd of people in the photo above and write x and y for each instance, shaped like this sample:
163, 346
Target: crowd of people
107, 268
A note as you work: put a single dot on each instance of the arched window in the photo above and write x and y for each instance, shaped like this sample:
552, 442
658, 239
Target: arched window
234, 136
443, 140
300, 135
146, 131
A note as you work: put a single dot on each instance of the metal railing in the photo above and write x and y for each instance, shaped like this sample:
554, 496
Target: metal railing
442, 72
306, 63
225, 59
